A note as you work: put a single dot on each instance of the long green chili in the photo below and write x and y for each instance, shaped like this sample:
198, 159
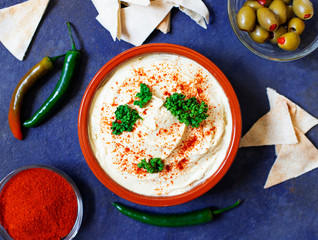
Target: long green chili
26, 82
173, 220
71, 62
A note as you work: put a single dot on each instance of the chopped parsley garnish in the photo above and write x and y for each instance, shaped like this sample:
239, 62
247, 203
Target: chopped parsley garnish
153, 166
189, 111
144, 95
126, 117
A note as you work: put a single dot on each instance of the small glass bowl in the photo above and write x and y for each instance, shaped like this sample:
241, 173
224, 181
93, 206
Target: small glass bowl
309, 38
79, 218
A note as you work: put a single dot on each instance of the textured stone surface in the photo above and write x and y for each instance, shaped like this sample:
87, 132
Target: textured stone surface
287, 211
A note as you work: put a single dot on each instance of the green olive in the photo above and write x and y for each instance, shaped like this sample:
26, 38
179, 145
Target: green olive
290, 12
264, 3
280, 9
246, 19
286, 1
267, 19
259, 34
252, 4
273, 36
303, 9
289, 41
296, 25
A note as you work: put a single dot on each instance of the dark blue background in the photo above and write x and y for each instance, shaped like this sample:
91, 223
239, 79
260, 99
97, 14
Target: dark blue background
286, 211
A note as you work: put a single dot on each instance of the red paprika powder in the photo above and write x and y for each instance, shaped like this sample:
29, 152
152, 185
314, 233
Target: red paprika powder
37, 204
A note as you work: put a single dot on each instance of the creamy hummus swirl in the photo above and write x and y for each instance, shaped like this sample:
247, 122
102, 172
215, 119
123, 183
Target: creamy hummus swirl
190, 155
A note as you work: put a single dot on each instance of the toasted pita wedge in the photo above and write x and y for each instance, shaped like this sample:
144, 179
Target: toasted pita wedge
293, 160
195, 9
138, 2
275, 127
109, 16
301, 119
277, 148
18, 24
138, 22
164, 26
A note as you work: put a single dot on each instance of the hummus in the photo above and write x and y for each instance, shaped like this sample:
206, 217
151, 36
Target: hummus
190, 155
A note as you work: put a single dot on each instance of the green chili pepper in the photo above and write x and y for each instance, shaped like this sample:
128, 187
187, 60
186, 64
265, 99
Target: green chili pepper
173, 220
26, 82
70, 64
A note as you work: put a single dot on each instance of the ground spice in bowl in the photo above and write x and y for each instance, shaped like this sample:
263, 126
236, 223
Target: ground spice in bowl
38, 203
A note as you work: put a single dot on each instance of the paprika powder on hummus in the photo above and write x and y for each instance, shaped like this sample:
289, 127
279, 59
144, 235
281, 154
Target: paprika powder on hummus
190, 155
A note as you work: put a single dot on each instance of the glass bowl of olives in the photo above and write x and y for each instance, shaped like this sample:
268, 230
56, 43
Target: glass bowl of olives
278, 30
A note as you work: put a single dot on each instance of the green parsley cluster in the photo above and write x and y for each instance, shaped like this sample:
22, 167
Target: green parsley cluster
189, 111
126, 117
153, 166
144, 95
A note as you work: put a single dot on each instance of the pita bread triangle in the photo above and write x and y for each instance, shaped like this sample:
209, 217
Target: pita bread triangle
138, 2
300, 118
293, 160
18, 24
109, 16
164, 26
138, 22
196, 10
275, 127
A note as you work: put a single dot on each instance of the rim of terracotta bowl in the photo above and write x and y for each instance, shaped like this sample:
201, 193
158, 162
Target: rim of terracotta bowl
98, 79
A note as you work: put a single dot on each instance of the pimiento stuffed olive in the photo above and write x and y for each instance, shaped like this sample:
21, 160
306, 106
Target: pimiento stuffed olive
253, 4
303, 9
259, 34
290, 12
289, 41
274, 20
296, 25
267, 19
286, 1
280, 9
264, 3
246, 18
273, 36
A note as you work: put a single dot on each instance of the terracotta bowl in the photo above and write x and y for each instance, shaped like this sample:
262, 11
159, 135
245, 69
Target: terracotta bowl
83, 119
